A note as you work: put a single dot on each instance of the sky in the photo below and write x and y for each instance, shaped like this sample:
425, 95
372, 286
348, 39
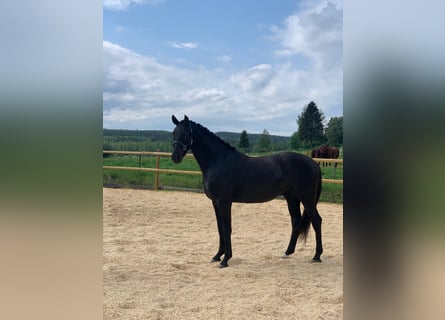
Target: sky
230, 65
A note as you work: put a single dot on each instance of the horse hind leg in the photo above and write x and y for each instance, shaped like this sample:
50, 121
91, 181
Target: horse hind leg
294, 210
316, 224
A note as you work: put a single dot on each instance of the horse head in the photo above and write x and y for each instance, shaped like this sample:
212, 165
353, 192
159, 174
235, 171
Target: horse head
182, 138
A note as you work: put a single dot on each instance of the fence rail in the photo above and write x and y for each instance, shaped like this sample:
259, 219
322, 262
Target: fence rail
158, 170
153, 170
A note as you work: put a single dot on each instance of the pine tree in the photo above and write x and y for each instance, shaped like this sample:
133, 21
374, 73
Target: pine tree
294, 141
244, 141
264, 142
310, 125
334, 131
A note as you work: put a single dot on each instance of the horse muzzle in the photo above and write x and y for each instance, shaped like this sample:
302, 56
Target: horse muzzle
177, 157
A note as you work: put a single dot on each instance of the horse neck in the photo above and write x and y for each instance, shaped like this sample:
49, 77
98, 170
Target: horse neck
207, 148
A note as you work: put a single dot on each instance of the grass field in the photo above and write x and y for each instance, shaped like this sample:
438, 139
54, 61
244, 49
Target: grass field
330, 192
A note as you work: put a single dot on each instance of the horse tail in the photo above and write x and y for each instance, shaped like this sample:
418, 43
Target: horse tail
303, 230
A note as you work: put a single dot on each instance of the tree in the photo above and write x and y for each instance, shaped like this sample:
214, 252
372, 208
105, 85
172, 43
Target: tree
334, 131
264, 142
244, 141
295, 141
310, 125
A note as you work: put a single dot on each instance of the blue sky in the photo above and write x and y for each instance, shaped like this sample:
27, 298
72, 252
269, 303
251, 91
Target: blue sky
229, 65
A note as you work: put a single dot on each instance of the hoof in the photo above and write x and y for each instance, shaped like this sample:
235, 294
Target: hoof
222, 266
315, 260
286, 256
214, 260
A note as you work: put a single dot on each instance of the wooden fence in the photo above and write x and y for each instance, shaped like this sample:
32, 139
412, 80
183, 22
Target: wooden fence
157, 170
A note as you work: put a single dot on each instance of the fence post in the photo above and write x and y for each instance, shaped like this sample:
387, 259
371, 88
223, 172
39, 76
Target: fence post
158, 161
335, 168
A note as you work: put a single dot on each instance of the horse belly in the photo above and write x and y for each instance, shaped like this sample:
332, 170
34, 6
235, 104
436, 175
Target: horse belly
254, 198
259, 191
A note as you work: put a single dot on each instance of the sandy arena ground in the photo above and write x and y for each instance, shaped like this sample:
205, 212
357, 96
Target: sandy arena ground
156, 251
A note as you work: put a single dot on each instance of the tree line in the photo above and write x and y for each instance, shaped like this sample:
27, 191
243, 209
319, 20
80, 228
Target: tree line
310, 133
147, 140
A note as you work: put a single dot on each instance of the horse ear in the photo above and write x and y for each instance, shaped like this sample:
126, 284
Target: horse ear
186, 119
175, 121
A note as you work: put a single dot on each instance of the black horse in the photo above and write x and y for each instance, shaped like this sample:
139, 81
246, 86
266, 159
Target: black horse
229, 176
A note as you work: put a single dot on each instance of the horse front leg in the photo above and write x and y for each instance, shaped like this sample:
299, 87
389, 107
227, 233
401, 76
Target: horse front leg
221, 248
225, 216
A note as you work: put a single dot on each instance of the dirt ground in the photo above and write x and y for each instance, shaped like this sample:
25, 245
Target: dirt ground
157, 246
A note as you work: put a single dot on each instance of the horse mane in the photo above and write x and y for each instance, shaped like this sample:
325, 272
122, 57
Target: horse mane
210, 133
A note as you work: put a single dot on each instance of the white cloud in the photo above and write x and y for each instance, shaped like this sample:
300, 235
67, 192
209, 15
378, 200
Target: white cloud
122, 115
141, 92
255, 78
145, 89
316, 32
204, 94
184, 45
124, 4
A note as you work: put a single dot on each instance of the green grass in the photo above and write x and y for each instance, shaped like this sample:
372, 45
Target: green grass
330, 192
332, 172
141, 178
